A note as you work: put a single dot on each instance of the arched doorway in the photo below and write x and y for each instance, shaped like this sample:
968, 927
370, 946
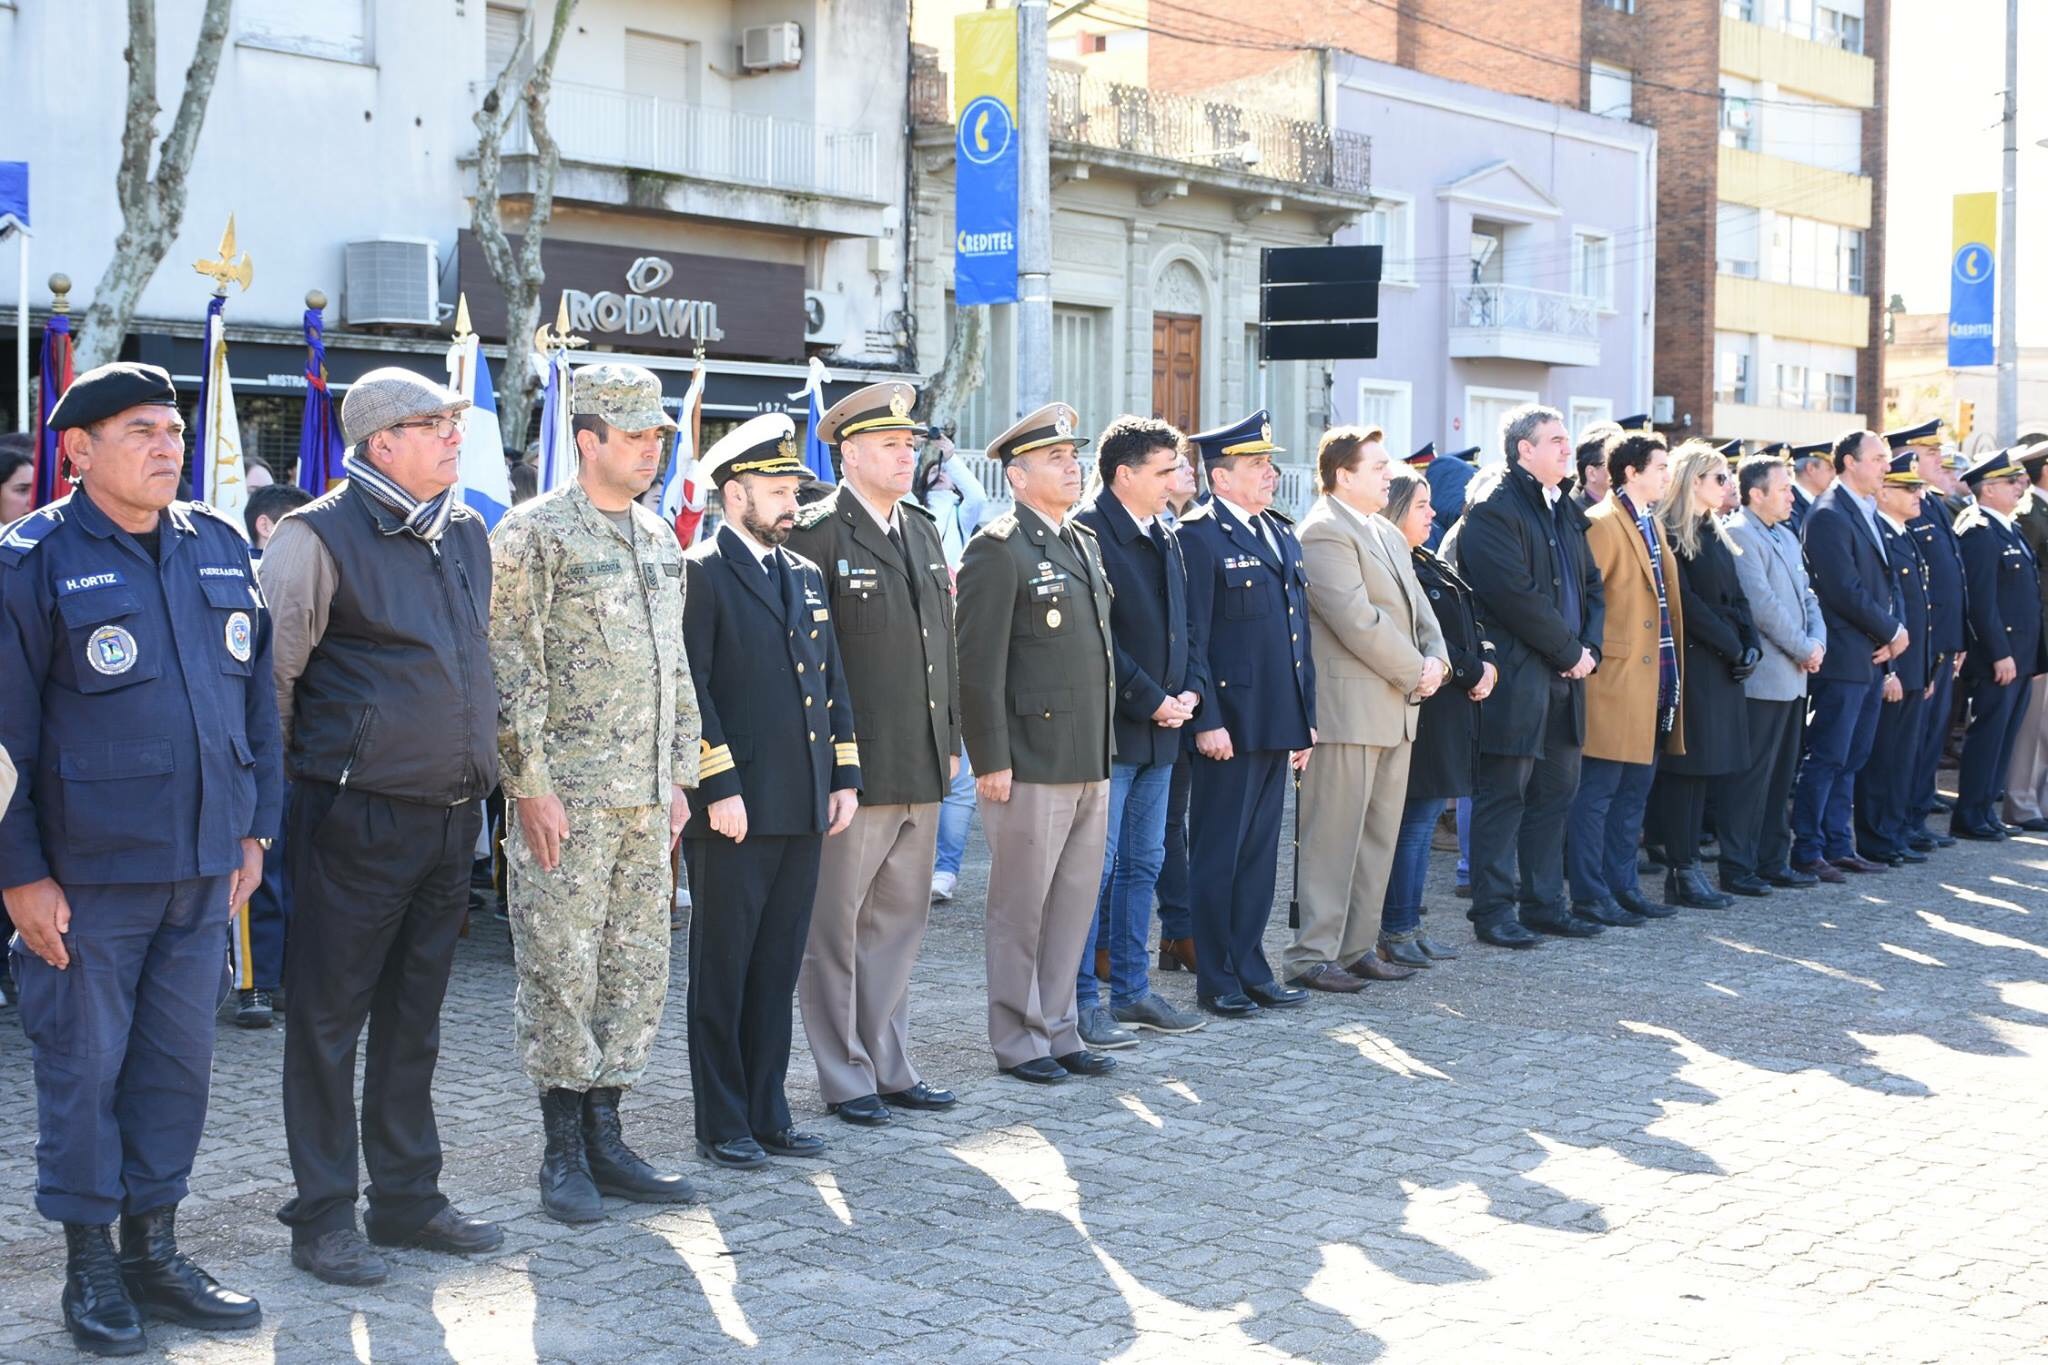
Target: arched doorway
1177, 346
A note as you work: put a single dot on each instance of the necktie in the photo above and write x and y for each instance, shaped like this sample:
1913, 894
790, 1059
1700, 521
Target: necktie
1265, 538
903, 554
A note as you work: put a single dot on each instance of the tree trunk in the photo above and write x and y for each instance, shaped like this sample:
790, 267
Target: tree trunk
964, 371
518, 270
151, 209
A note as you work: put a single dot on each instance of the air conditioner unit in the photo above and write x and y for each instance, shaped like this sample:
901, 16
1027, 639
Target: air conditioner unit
771, 47
824, 317
1662, 408
391, 280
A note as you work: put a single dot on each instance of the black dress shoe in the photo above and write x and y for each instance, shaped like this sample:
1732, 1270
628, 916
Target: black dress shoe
1636, 905
1235, 1005
340, 1256
1981, 834
1564, 925
1923, 843
98, 1313
1688, 886
2037, 825
791, 1142
1745, 886
450, 1231
1038, 1071
1942, 806
1404, 953
1790, 879
1608, 912
1907, 857
1508, 932
162, 1281
920, 1096
1086, 1063
1275, 996
1431, 948
867, 1111
741, 1154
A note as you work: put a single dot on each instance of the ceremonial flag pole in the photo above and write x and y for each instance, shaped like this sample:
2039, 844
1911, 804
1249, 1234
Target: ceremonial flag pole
683, 491
224, 482
557, 443
483, 480
50, 483
320, 445
14, 220
817, 454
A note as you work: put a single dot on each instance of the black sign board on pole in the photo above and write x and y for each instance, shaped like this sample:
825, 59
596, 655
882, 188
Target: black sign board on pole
1319, 302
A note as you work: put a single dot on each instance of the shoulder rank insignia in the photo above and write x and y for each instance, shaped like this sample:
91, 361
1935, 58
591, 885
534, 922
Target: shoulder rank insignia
24, 535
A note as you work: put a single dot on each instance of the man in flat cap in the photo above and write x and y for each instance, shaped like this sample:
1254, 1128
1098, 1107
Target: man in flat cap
135, 663
2004, 591
597, 740
1037, 691
778, 772
892, 610
381, 589
1248, 625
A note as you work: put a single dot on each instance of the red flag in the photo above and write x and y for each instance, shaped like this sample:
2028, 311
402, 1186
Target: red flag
56, 377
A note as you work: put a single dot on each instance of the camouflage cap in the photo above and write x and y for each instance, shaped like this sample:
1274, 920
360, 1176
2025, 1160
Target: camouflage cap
627, 397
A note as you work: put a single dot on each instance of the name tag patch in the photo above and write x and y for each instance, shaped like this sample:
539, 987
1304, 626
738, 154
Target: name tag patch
86, 582
222, 571
577, 573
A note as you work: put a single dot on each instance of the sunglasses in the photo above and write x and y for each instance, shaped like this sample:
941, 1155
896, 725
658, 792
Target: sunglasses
1720, 476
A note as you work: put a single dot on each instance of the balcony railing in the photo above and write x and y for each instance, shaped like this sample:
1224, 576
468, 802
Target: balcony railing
1517, 323
604, 127
1132, 118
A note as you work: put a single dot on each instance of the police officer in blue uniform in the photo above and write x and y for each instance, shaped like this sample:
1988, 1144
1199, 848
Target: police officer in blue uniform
135, 663
1248, 628
778, 771
2004, 590
1884, 789
1935, 532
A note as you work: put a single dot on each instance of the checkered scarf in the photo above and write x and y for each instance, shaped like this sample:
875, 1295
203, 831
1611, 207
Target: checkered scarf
427, 520
1667, 647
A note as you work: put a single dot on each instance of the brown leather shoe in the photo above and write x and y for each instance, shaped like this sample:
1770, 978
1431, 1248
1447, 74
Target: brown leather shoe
1852, 863
1328, 976
1823, 869
1102, 964
1176, 955
1370, 968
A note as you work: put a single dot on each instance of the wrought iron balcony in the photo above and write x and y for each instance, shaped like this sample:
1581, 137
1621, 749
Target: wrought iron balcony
1511, 322
1130, 118
602, 127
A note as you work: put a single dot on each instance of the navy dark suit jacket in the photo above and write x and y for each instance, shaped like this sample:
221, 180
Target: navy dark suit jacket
1909, 603
1148, 624
2005, 596
1248, 627
1849, 576
1935, 531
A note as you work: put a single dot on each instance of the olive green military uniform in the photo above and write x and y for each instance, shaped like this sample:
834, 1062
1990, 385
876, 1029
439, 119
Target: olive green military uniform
1036, 694
596, 707
892, 608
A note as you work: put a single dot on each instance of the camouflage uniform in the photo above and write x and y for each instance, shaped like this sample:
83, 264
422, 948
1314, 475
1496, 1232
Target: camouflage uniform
595, 706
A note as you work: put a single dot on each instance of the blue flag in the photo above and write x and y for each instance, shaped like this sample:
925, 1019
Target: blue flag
14, 191
320, 447
817, 454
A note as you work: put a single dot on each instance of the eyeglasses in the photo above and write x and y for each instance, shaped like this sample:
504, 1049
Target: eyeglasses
443, 426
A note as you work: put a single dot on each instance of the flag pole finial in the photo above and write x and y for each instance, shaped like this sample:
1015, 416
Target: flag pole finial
462, 332
226, 269
316, 300
558, 337
60, 293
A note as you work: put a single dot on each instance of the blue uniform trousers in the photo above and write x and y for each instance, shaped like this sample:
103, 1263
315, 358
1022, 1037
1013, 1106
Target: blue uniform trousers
1995, 716
1175, 918
1884, 791
1840, 728
1233, 861
122, 1043
1935, 715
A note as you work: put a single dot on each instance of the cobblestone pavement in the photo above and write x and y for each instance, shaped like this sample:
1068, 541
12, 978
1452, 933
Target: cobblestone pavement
1809, 1128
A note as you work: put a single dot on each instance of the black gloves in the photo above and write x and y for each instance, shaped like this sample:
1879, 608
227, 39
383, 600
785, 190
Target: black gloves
1746, 665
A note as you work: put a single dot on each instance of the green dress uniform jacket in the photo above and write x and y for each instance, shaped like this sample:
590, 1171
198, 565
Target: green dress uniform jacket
1036, 687
893, 614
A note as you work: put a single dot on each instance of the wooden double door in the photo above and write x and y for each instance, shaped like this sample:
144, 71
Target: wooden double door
1177, 369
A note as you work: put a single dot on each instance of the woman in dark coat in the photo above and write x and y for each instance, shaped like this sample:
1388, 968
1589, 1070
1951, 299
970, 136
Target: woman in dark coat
1721, 649
1445, 759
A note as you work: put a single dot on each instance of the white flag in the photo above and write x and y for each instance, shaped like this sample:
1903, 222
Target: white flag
224, 483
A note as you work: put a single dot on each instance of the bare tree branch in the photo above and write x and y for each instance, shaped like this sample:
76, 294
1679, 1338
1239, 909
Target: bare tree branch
518, 272
151, 208
964, 370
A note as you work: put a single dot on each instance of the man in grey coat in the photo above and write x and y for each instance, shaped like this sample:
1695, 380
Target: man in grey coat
1755, 828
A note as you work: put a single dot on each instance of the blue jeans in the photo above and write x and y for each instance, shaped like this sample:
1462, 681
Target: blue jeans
1176, 920
1401, 912
1465, 840
1130, 870
956, 812
1607, 820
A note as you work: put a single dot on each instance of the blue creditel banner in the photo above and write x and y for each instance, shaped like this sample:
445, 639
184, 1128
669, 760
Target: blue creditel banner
985, 157
1971, 281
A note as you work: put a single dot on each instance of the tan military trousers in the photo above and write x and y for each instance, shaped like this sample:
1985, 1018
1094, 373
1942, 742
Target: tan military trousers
1045, 868
2026, 775
1351, 801
590, 943
867, 924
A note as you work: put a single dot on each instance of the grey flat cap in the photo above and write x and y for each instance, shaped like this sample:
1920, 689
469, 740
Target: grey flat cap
381, 399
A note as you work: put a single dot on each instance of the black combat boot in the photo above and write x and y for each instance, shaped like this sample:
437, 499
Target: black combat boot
97, 1310
617, 1168
164, 1283
567, 1192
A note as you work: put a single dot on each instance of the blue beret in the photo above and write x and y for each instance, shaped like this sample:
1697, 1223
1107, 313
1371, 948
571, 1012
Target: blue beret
101, 393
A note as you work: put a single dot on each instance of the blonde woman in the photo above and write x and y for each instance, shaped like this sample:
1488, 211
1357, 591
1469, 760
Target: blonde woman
1721, 649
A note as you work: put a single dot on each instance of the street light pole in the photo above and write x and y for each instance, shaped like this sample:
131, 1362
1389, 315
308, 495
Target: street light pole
2008, 241
1034, 211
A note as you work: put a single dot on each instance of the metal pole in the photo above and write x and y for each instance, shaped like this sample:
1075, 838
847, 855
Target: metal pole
1034, 212
22, 401
2008, 241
